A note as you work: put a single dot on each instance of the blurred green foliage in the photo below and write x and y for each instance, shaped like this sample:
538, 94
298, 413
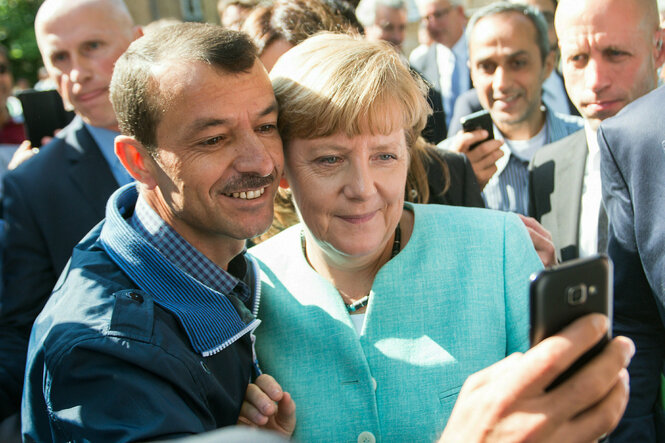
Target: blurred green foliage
17, 33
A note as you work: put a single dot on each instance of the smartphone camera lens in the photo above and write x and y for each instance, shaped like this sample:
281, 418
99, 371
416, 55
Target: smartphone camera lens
577, 294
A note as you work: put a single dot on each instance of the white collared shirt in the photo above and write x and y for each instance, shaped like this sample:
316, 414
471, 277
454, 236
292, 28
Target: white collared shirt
447, 60
591, 197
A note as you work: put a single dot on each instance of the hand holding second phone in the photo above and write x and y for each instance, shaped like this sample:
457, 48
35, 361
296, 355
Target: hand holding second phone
508, 401
483, 157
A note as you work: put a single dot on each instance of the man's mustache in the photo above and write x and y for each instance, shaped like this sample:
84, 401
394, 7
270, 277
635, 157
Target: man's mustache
248, 181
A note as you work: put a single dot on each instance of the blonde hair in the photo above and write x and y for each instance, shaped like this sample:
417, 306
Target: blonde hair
338, 83
335, 83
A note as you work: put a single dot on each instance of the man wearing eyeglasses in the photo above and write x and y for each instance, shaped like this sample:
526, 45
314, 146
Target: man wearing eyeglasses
383, 20
444, 64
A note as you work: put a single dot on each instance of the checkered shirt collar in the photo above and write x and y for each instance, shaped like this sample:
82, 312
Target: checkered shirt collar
185, 256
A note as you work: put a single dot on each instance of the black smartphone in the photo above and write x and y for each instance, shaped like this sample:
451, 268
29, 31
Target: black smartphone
43, 113
561, 294
478, 120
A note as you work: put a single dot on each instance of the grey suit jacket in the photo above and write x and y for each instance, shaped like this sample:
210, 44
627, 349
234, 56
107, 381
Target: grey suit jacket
556, 176
427, 66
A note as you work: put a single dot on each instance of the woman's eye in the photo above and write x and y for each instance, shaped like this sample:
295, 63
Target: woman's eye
328, 160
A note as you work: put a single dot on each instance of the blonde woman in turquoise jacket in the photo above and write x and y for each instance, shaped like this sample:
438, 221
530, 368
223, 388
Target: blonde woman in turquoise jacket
374, 312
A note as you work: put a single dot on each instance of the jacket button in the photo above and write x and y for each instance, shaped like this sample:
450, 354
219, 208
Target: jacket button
366, 437
374, 384
136, 297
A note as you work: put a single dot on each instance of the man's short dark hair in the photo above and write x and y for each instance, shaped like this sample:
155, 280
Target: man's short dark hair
533, 14
134, 92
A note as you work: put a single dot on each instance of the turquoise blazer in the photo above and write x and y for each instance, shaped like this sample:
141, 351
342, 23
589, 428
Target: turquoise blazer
454, 301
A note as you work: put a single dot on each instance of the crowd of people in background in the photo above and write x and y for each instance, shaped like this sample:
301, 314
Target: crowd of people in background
275, 226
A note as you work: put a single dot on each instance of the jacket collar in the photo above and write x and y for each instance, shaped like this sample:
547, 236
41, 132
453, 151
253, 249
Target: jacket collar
207, 316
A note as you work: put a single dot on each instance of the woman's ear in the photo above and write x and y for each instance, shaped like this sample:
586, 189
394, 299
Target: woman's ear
136, 159
283, 183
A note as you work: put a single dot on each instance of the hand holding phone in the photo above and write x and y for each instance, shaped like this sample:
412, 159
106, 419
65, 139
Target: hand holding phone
43, 113
563, 293
478, 120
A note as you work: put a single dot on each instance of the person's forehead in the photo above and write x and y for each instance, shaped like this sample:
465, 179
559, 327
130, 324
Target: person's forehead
195, 81
604, 31
599, 41
386, 13
510, 30
437, 4
601, 16
80, 26
541, 5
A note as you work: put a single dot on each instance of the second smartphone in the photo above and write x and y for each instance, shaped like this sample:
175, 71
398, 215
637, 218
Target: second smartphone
563, 293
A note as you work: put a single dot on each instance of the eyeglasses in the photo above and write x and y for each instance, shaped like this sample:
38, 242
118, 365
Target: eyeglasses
438, 14
4, 69
549, 17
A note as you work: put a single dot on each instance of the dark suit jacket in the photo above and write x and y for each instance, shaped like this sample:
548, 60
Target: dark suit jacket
462, 187
556, 177
465, 104
632, 147
435, 129
50, 202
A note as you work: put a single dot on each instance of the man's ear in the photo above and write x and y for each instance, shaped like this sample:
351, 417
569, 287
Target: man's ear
136, 159
659, 50
137, 32
550, 62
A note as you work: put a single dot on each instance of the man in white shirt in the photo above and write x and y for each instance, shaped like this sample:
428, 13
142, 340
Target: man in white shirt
510, 58
444, 64
383, 20
609, 58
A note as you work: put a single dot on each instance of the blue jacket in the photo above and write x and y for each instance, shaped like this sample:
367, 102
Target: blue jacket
632, 148
107, 363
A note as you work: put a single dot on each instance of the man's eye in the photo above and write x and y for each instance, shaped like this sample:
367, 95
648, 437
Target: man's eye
267, 128
91, 46
614, 54
59, 57
578, 59
518, 64
213, 140
386, 157
487, 68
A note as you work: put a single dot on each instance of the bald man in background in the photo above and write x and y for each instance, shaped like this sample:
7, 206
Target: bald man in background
53, 199
610, 52
609, 55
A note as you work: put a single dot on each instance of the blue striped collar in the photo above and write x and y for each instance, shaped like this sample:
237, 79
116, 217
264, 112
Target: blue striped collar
207, 316
190, 260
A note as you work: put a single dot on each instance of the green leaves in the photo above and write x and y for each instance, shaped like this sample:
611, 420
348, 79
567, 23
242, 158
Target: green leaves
17, 33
